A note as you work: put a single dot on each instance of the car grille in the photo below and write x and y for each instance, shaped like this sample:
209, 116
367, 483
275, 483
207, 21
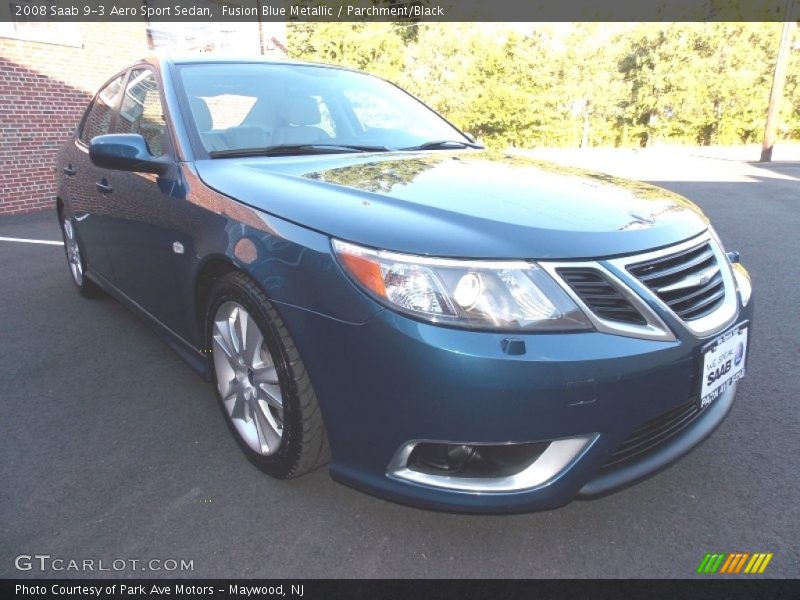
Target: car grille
689, 282
654, 433
605, 300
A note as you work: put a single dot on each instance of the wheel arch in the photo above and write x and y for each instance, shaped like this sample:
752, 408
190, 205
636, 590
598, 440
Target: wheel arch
211, 270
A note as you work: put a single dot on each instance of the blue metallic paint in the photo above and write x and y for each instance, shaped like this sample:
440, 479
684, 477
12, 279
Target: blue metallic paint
402, 380
469, 204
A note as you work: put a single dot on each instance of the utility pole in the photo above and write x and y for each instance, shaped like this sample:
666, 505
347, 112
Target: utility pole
260, 28
778, 81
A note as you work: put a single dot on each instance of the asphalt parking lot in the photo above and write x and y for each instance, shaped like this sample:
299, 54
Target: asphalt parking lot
112, 448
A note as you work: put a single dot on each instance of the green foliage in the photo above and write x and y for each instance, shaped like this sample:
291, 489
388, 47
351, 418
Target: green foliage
573, 85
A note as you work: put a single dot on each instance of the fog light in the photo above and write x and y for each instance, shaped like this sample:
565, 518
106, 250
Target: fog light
443, 457
478, 460
486, 468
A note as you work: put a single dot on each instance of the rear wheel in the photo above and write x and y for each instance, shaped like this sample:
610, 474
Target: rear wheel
264, 390
75, 260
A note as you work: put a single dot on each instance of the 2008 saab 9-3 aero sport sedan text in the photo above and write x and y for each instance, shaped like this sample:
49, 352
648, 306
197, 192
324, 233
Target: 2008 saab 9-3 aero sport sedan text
448, 326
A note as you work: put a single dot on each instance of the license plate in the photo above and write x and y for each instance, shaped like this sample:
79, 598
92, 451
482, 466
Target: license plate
723, 364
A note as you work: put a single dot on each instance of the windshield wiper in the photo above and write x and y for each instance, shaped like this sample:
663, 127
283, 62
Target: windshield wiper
443, 145
295, 149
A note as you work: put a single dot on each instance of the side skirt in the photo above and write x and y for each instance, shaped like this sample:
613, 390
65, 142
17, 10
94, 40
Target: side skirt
196, 359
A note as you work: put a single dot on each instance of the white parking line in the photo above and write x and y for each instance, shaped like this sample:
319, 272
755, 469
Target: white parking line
51, 242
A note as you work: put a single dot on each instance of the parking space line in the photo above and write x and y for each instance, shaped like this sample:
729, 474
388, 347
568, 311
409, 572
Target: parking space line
27, 241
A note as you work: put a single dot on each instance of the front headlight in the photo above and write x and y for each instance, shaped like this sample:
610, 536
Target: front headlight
474, 294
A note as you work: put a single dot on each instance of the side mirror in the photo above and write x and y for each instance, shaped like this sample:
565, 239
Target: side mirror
126, 152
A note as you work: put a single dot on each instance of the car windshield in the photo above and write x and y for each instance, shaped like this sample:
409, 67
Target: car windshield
303, 109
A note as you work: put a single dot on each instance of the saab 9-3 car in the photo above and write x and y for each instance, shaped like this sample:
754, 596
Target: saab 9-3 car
447, 326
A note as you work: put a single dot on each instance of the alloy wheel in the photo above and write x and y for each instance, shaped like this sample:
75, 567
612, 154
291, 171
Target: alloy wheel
247, 378
73, 252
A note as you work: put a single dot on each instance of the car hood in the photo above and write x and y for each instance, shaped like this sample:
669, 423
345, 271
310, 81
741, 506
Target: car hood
476, 204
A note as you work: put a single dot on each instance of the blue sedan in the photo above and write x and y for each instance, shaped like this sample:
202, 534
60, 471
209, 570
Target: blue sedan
368, 287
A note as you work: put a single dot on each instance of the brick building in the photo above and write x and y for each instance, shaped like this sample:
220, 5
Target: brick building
49, 72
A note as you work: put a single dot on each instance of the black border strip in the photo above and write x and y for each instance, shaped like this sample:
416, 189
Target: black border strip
398, 10
708, 586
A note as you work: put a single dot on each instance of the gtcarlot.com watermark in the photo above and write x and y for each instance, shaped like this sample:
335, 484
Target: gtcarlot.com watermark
48, 563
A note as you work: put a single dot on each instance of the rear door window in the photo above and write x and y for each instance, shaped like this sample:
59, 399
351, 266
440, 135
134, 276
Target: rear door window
98, 117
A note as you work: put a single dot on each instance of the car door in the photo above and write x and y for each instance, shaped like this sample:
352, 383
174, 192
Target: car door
147, 235
83, 181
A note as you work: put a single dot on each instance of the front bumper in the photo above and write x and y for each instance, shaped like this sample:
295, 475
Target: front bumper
393, 380
615, 478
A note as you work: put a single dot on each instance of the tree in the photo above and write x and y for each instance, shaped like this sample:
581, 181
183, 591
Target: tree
575, 85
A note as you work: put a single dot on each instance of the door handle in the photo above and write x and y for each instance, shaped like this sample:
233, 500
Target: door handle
68, 170
103, 186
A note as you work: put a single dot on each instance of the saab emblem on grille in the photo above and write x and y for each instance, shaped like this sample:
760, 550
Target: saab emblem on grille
643, 218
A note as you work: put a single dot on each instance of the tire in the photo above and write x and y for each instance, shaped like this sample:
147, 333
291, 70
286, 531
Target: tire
263, 389
76, 260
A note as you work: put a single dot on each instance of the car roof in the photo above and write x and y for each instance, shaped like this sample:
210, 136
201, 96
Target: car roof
200, 59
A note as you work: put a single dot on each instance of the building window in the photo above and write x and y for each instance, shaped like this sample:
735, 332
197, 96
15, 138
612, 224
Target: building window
234, 38
240, 39
39, 29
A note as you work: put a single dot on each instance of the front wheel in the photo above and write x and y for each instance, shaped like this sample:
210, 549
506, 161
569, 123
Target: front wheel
264, 390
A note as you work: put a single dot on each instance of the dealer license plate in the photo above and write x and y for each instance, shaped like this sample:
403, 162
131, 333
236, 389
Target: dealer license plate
723, 364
